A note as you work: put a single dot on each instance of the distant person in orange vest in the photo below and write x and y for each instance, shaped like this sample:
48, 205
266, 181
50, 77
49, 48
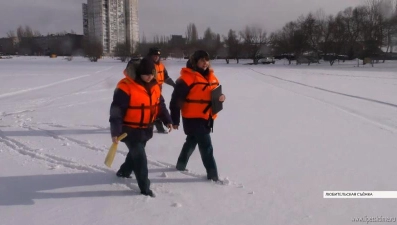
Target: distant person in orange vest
137, 102
161, 77
192, 97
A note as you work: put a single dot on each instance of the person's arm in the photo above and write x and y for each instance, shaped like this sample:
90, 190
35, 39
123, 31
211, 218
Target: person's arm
178, 96
118, 109
163, 114
167, 79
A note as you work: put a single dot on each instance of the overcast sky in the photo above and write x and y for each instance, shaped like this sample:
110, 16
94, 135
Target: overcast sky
166, 17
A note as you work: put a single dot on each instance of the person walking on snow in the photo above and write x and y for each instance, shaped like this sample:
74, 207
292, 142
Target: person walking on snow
161, 77
192, 97
137, 101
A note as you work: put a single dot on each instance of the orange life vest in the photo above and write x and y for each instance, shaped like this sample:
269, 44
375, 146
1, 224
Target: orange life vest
143, 107
198, 102
160, 72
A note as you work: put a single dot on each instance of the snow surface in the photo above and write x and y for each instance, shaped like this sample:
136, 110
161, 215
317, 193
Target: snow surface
286, 134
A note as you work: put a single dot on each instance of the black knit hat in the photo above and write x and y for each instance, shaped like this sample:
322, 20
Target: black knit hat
154, 51
146, 66
195, 57
199, 54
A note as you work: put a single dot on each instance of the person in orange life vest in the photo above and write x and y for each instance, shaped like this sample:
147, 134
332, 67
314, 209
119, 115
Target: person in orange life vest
136, 104
192, 97
161, 77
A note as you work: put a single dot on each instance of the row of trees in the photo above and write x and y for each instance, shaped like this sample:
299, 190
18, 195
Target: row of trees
25, 41
247, 43
26, 32
354, 32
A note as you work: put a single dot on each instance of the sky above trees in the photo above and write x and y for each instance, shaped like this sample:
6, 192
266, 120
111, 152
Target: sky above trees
159, 18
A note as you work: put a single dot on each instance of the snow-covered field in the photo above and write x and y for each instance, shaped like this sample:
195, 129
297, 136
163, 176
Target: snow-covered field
286, 134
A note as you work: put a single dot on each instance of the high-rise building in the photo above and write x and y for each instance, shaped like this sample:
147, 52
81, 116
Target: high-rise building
111, 22
132, 30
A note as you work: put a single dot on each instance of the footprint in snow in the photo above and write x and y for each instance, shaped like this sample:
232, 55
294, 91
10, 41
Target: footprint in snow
176, 204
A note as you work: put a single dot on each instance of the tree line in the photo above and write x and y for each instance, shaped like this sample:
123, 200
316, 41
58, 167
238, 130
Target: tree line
355, 32
26, 41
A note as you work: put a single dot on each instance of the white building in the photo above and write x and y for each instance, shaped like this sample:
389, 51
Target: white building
111, 22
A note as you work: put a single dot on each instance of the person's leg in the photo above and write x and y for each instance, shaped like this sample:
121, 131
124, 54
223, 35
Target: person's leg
138, 157
207, 156
186, 152
126, 168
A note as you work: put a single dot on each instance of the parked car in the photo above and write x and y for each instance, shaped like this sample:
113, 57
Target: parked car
267, 60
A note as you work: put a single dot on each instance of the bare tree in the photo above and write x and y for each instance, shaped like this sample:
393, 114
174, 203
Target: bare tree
36, 33
211, 42
93, 49
388, 10
191, 34
373, 33
20, 32
284, 42
233, 46
314, 28
253, 38
123, 51
28, 31
191, 39
11, 34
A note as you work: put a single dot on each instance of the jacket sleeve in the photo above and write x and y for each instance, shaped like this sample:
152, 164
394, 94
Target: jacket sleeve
118, 109
178, 96
167, 79
164, 115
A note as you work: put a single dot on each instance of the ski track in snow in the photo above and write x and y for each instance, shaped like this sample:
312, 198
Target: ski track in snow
4, 114
224, 181
55, 160
330, 91
46, 102
42, 87
346, 75
86, 145
83, 103
353, 113
69, 139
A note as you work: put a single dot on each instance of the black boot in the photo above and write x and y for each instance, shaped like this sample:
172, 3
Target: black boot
148, 193
123, 174
180, 167
213, 175
213, 178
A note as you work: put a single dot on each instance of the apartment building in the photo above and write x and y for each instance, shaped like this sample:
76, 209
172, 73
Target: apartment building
111, 22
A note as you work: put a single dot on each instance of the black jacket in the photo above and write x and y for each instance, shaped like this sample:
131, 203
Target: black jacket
118, 110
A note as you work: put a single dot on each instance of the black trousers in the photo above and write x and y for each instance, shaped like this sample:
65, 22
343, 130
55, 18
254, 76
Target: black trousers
206, 151
136, 161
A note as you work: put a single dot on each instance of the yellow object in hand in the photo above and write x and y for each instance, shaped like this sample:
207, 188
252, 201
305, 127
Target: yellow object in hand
112, 151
